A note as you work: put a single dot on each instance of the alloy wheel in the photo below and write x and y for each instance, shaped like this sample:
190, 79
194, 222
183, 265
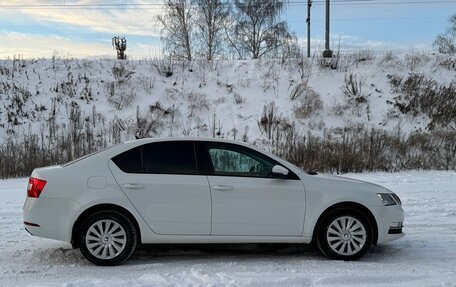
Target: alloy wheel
105, 239
346, 235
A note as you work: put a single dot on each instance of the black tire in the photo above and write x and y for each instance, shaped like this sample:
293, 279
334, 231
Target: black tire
349, 243
117, 242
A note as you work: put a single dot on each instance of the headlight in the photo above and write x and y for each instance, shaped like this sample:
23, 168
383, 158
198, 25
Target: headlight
387, 199
398, 200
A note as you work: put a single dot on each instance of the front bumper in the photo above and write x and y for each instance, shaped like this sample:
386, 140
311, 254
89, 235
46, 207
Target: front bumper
385, 215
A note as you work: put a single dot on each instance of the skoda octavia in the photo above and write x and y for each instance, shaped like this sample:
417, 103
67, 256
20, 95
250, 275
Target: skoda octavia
203, 191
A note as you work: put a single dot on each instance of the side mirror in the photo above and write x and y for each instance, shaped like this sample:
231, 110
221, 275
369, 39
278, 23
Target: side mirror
279, 171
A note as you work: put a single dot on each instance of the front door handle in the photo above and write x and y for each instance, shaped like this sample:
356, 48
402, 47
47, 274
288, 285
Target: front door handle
134, 185
222, 187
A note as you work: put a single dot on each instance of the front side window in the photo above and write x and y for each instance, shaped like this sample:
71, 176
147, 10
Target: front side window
239, 163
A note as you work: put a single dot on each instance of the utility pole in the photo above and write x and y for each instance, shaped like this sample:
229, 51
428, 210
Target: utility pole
327, 53
309, 4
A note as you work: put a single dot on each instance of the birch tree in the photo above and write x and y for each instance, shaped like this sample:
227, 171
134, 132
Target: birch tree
258, 31
178, 28
446, 42
212, 17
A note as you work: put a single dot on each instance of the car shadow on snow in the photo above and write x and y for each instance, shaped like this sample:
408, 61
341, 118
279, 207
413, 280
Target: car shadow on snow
158, 253
390, 252
210, 253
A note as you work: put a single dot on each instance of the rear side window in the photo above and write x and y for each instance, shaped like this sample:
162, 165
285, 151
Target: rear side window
159, 158
169, 158
130, 161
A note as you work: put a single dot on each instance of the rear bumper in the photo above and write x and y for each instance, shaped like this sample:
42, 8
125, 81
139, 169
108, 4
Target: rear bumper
49, 217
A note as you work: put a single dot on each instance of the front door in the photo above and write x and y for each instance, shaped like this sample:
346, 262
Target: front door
246, 199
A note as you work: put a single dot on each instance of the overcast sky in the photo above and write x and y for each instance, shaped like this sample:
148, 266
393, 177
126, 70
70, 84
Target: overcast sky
30, 28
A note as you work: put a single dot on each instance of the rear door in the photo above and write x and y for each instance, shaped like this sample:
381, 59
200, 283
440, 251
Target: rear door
246, 199
161, 180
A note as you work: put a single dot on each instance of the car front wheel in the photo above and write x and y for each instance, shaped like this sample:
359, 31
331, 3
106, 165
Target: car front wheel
107, 238
345, 235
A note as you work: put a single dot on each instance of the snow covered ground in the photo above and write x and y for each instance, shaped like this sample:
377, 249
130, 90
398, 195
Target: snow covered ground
426, 256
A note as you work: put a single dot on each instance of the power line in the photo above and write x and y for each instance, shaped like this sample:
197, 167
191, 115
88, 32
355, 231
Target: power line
161, 5
371, 19
81, 6
383, 2
292, 3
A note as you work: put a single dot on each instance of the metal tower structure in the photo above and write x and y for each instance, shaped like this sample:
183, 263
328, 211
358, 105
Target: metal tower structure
120, 44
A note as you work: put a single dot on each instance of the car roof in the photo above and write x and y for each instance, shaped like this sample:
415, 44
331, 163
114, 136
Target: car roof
151, 140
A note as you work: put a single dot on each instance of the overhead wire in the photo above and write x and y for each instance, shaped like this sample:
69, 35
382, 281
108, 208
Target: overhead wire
148, 6
129, 5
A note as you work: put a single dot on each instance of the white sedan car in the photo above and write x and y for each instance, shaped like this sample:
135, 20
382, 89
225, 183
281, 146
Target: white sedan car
195, 190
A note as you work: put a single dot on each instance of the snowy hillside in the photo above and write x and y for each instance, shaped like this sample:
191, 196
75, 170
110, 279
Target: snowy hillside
63, 108
424, 257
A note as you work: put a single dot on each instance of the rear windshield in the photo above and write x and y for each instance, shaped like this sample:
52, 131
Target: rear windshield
89, 155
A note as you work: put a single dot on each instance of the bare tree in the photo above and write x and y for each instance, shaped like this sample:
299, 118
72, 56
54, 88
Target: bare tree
446, 42
212, 17
257, 30
177, 29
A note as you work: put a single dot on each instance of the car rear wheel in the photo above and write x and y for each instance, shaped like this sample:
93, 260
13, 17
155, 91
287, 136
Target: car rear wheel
107, 238
345, 235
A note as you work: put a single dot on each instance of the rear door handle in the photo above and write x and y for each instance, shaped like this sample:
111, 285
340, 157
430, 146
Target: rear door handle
222, 187
134, 185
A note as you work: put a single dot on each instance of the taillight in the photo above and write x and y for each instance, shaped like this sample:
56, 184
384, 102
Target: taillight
35, 187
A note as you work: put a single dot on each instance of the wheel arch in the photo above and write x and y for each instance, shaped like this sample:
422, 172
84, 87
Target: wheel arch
103, 207
349, 205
